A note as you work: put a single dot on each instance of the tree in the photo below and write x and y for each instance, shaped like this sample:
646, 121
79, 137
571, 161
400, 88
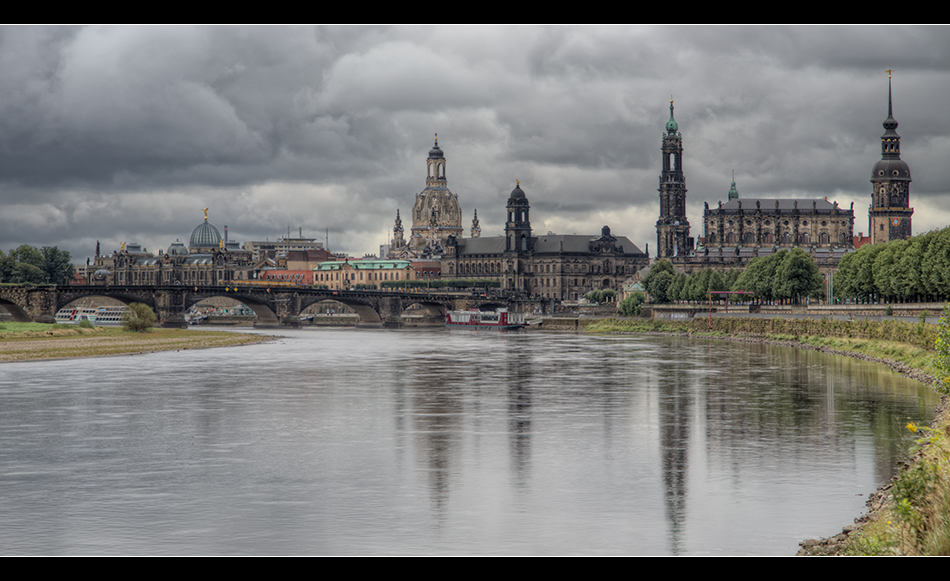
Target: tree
29, 265
630, 306
25, 272
761, 276
798, 275
57, 265
139, 318
658, 280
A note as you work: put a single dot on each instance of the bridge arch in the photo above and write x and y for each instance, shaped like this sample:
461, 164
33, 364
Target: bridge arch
266, 317
367, 312
64, 301
19, 313
433, 309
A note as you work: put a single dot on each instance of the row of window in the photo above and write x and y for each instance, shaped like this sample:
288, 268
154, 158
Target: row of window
803, 239
495, 268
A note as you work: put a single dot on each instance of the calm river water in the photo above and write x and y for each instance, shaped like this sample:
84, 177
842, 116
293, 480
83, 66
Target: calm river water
446, 442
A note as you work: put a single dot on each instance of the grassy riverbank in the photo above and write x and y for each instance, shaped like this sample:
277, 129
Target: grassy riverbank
911, 514
35, 341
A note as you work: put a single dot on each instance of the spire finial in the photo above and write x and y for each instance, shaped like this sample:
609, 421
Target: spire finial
518, 183
436, 139
890, 109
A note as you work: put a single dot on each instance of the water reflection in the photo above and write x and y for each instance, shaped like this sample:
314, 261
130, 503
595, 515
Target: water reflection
347, 441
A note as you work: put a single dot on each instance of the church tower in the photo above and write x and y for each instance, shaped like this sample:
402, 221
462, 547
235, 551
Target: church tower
476, 228
890, 211
518, 226
672, 229
436, 214
398, 241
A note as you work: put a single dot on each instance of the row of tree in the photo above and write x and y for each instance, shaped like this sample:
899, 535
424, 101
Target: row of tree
786, 275
28, 264
913, 270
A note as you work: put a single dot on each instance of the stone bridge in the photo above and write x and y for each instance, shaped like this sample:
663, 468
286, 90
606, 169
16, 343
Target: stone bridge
271, 305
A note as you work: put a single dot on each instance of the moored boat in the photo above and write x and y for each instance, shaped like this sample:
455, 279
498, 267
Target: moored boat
111, 315
500, 319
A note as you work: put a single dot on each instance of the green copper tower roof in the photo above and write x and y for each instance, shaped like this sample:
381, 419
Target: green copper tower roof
671, 126
733, 192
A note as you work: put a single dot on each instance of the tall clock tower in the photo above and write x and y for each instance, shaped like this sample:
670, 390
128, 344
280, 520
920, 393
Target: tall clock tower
890, 211
672, 228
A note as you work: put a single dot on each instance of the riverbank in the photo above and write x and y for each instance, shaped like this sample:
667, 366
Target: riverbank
910, 515
35, 342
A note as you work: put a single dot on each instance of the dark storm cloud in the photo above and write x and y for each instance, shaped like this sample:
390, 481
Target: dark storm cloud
125, 133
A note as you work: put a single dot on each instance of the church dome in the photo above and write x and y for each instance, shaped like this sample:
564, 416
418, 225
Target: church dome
205, 236
890, 169
177, 249
517, 193
435, 152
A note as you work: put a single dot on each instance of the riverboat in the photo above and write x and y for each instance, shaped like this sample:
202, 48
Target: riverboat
500, 319
96, 315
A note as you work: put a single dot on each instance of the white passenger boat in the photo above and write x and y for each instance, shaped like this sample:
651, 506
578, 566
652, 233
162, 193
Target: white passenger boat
500, 319
96, 315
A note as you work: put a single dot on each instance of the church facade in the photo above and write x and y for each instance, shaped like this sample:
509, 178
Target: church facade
561, 267
739, 230
436, 214
555, 267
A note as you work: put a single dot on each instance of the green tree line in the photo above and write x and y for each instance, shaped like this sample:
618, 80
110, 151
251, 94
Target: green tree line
28, 264
786, 275
914, 270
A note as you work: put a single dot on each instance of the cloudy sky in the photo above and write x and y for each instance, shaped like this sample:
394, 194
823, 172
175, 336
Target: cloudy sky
124, 134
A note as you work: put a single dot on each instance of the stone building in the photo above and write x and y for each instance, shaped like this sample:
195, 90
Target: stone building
890, 211
672, 228
561, 267
208, 260
351, 274
436, 214
739, 230
742, 229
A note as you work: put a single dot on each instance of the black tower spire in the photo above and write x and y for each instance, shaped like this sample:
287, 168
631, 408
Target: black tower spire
890, 212
672, 228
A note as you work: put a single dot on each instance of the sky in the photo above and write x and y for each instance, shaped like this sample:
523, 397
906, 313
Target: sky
124, 134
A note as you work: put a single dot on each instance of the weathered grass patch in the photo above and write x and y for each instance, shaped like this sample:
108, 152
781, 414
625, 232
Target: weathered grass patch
56, 342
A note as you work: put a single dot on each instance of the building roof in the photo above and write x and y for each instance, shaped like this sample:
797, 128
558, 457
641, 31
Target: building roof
364, 264
783, 205
548, 244
205, 236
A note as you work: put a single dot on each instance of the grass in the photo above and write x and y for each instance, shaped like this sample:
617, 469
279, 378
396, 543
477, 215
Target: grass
36, 341
917, 519
636, 325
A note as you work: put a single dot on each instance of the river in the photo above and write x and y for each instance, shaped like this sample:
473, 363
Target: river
346, 441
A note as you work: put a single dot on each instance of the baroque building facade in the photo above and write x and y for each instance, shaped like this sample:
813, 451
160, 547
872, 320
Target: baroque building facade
557, 267
740, 230
436, 214
209, 259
